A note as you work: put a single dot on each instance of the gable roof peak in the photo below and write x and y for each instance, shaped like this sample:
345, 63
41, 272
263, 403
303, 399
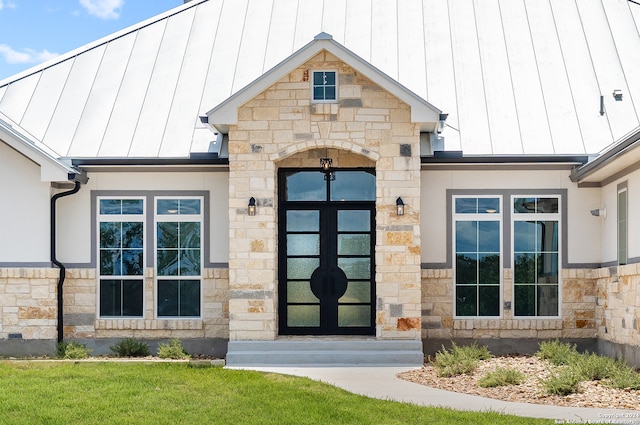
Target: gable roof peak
323, 36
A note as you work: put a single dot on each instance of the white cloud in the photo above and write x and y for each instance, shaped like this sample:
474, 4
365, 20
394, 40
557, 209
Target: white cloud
103, 9
7, 5
12, 56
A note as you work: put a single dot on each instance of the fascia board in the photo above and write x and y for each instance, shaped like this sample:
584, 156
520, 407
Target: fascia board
51, 169
605, 162
226, 113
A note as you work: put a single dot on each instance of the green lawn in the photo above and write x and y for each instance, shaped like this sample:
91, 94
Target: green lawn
175, 393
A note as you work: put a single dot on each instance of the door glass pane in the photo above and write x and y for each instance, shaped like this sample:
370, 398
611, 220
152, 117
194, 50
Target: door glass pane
168, 262
303, 221
355, 268
547, 235
354, 315
353, 186
305, 186
303, 315
303, 244
354, 221
357, 292
300, 292
132, 234
301, 268
354, 244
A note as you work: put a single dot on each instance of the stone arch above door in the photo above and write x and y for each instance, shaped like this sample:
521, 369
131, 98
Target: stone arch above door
360, 154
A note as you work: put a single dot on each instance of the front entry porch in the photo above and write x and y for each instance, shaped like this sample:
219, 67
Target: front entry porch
325, 351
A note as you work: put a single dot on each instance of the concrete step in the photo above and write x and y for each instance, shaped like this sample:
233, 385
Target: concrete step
324, 352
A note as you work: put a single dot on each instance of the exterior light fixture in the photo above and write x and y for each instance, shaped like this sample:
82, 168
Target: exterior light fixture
326, 163
251, 208
617, 94
399, 206
599, 212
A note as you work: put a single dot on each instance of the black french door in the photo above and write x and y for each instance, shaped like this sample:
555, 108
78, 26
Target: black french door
327, 245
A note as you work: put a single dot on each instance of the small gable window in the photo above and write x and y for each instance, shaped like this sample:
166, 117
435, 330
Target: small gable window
325, 86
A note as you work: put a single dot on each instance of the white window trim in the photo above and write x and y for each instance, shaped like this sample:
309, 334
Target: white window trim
177, 218
538, 216
311, 78
498, 216
100, 218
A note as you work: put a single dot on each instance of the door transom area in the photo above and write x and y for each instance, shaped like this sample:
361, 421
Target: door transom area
326, 245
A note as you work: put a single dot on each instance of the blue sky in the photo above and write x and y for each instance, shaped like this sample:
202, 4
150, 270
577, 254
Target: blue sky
34, 31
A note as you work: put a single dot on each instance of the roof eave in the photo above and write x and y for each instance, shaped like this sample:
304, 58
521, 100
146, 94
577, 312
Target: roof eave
52, 169
627, 144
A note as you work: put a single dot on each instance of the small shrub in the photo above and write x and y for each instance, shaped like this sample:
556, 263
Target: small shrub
172, 350
501, 377
625, 377
558, 353
459, 360
593, 367
72, 350
130, 347
565, 382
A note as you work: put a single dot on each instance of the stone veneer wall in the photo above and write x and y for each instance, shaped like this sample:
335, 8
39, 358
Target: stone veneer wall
617, 313
578, 310
80, 310
28, 303
282, 122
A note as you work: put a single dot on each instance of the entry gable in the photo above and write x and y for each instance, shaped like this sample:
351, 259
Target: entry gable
422, 112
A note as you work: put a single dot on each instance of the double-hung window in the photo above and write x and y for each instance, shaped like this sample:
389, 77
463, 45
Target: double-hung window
536, 260
121, 252
179, 223
478, 264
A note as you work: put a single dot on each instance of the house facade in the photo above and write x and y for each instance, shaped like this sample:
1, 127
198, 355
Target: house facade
339, 183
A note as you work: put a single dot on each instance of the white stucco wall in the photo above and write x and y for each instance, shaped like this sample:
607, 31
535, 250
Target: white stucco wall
609, 201
583, 236
74, 224
24, 212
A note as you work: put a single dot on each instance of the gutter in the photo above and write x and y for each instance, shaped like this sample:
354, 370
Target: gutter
54, 260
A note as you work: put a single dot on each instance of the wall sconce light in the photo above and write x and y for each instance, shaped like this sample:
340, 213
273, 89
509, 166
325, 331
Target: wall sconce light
326, 163
617, 94
599, 212
399, 206
251, 208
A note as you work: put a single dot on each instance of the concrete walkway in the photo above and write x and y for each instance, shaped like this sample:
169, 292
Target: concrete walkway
381, 383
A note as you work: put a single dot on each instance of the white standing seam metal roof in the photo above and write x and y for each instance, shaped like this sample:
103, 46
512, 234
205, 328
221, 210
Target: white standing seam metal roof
517, 77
